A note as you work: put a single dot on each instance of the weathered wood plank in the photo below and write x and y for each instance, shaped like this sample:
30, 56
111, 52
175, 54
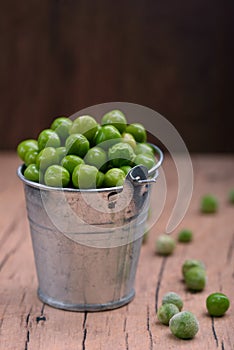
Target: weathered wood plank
58, 57
26, 323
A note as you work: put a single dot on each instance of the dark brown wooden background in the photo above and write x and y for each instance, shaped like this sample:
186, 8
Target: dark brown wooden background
176, 57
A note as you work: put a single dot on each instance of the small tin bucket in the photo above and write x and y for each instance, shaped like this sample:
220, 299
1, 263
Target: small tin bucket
87, 242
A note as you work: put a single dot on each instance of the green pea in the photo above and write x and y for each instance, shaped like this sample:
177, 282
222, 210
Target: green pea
188, 264
126, 169
195, 279
106, 136
173, 298
84, 176
184, 325
115, 118
231, 196
121, 154
26, 146
97, 157
138, 132
85, 125
32, 173
128, 138
185, 236
61, 152
209, 204
56, 176
70, 162
165, 245
62, 126
166, 312
77, 144
217, 304
93, 141
47, 156
30, 157
114, 177
142, 148
145, 159
100, 179
48, 138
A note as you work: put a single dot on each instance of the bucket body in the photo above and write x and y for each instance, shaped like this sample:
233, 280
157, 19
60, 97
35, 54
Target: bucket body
87, 242
86, 249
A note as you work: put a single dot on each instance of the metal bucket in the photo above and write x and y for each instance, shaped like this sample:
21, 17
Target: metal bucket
87, 242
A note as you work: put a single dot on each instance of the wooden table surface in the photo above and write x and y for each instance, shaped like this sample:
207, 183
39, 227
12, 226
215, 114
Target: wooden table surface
27, 323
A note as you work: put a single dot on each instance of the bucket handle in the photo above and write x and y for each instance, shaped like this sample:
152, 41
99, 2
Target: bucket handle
140, 175
159, 162
138, 180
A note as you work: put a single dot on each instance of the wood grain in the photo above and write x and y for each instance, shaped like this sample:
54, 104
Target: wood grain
60, 56
26, 323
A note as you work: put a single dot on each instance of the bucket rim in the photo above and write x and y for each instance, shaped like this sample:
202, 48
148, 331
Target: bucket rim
92, 190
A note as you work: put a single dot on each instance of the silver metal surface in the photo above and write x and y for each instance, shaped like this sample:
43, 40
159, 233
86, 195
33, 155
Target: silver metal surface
87, 243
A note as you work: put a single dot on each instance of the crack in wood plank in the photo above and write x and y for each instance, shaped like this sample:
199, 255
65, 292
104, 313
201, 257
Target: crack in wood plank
220, 281
107, 320
222, 345
109, 328
214, 331
10, 253
28, 330
126, 333
160, 275
124, 325
2, 318
125, 320
27, 319
12, 276
23, 297
84, 330
148, 328
27, 340
126, 341
42, 316
230, 250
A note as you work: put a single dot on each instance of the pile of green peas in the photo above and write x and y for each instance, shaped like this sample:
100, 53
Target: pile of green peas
194, 274
85, 154
183, 324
